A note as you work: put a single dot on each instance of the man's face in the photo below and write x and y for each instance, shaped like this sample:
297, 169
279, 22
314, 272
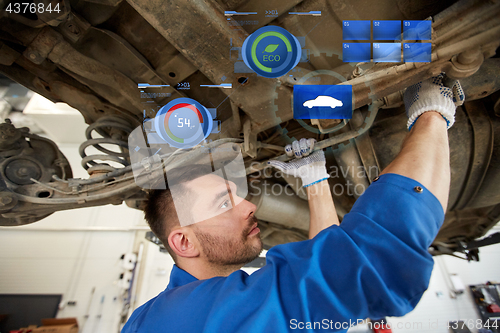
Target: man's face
229, 236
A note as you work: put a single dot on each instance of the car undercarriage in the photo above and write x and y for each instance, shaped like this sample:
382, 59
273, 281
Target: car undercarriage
92, 54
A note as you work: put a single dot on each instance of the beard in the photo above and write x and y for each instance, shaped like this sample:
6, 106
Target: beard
236, 251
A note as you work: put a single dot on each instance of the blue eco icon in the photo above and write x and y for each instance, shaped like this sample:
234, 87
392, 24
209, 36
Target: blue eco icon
271, 51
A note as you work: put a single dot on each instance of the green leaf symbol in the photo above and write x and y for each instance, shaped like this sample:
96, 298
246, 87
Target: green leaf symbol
271, 48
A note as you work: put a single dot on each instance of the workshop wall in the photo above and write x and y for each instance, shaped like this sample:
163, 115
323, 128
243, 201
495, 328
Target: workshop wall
47, 257
156, 273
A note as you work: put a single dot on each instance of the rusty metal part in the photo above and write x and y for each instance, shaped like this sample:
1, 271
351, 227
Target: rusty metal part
74, 28
273, 234
482, 10
114, 131
393, 100
200, 59
36, 202
10, 137
177, 69
7, 55
465, 64
484, 82
349, 160
106, 2
111, 84
278, 204
325, 126
266, 16
202, 20
53, 18
58, 86
42, 198
7, 201
89, 70
482, 150
489, 192
20, 170
368, 156
456, 10
106, 46
24, 160
383, 82
465, 45
25, 156
373, 110
232, 127
250, 136
468, 224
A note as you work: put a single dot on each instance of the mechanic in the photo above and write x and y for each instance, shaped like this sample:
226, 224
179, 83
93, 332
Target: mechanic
374, 264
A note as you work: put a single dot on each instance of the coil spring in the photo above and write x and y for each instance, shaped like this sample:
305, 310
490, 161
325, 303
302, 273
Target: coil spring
114, 131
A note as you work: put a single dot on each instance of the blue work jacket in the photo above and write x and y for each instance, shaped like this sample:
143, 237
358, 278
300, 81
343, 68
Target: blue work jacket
375, 264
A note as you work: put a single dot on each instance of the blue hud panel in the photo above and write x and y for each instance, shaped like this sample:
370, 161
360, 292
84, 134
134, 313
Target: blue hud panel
387, 52
387, 30
322, 101
356, 52
417, 30
356, 30
417, 52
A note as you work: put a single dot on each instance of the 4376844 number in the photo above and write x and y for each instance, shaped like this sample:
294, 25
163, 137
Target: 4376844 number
472, 324
33, 8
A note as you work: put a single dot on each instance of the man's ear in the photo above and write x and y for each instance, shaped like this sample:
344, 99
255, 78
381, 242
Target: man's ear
183, 242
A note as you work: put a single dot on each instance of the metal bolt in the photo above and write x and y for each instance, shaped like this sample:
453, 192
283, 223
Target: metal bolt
33, 56
357, 71
376, 178
22, 172
418, 189
5, 201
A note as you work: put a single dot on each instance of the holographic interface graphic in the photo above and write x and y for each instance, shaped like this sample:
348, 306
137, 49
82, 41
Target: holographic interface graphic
271, 51
399, 41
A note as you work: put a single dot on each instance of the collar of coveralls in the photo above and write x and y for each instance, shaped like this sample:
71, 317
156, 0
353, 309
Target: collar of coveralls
179, 277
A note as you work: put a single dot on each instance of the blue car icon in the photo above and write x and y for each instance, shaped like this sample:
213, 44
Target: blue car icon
323, 101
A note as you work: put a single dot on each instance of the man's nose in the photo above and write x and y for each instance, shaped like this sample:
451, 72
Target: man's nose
247, 208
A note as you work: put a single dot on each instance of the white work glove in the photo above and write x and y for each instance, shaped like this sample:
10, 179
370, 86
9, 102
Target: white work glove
311, 169
433, 95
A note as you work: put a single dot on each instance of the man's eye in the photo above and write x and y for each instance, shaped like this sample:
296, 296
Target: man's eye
225, 204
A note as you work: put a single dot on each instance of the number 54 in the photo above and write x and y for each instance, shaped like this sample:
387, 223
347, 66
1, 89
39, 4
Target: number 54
186, 122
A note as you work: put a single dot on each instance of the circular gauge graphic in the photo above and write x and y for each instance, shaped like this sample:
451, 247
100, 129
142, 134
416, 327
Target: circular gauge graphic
183, 123
271, 51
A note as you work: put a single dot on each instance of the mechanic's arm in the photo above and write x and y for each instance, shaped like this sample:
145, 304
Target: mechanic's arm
425, 156
312, 171
321, 207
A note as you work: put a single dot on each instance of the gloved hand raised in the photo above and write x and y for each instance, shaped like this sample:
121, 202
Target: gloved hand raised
435, 94
311, 169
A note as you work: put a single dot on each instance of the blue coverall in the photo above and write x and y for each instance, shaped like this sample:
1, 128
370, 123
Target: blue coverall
375, 264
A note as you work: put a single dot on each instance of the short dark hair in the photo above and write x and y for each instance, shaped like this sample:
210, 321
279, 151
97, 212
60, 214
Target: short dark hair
159, 210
